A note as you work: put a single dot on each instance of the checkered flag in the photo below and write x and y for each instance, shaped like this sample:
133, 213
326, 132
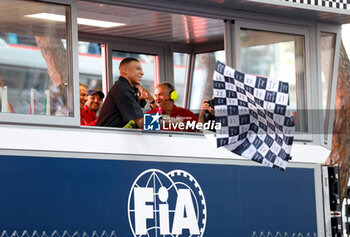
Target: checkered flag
256, 122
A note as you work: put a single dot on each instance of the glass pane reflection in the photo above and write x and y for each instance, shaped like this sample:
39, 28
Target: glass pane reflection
33, 60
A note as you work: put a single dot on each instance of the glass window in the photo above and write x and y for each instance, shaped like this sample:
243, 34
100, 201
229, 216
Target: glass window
327, 60
180, 62
90, 65
278, 56
147, 63
202, 81
34, 65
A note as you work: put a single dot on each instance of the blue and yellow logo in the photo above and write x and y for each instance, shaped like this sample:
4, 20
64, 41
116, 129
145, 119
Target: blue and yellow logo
151, 122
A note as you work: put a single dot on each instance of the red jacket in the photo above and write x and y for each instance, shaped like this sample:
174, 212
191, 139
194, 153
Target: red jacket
87, 117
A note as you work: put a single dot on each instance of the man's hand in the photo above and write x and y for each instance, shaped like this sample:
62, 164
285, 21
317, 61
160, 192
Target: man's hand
206, 107
139, 122
144, 94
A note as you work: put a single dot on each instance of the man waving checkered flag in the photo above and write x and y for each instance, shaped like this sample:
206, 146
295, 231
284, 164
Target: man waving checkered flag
256, 122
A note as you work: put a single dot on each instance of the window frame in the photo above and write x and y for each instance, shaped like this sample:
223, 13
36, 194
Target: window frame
202, 48
141, 47
73, 77
193, 57
106, 72
326, 138
310, 102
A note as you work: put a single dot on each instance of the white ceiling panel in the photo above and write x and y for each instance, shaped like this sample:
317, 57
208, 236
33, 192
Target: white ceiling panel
155, 26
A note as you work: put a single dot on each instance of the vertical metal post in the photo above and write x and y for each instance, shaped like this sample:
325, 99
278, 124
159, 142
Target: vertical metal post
188, 79
169, 64
107, 70
72, 28
229, 42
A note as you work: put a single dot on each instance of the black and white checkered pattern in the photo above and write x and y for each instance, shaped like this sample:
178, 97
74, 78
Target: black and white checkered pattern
336, 4
256, 122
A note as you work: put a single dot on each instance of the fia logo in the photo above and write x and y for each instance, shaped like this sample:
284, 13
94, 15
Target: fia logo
166, 204
151, 122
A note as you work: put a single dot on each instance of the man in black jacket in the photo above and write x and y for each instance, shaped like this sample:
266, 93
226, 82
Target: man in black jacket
122, 103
